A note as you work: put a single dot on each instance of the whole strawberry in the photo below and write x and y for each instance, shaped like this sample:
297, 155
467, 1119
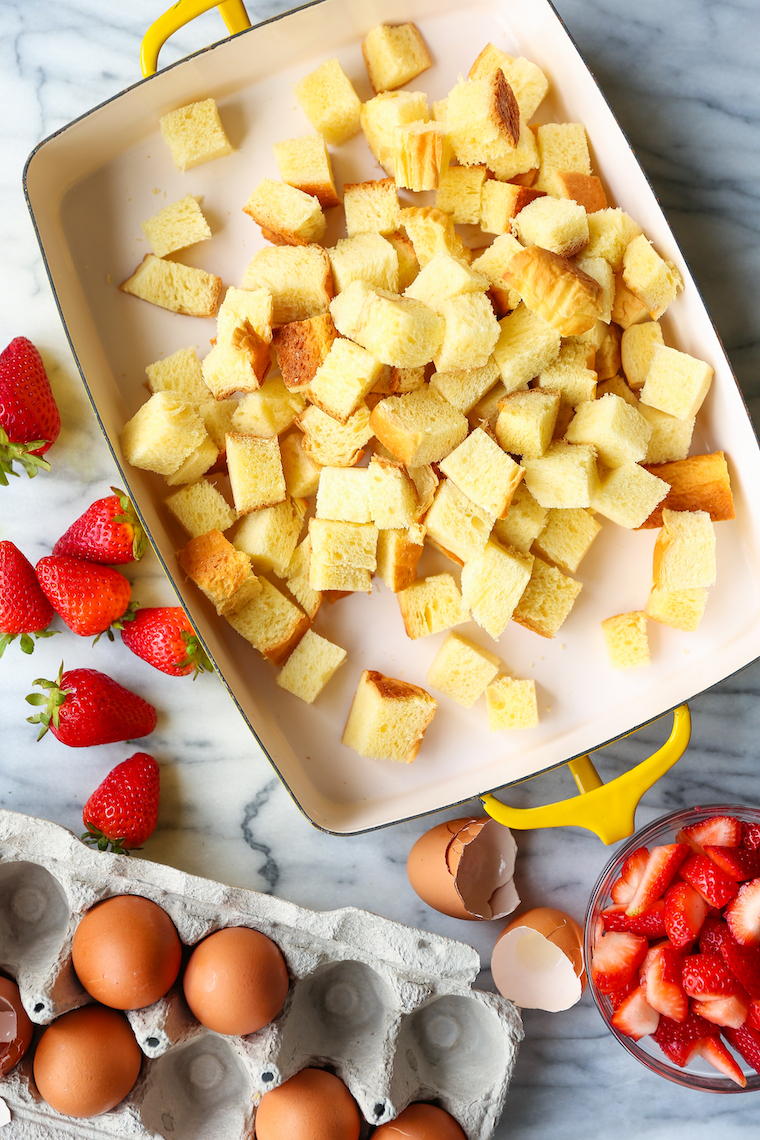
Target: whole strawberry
108, 532
24, 609
89, 598
123, 811
29, 419
163, 637
84, 707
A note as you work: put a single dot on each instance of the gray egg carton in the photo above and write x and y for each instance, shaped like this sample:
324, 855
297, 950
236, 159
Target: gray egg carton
389, 1009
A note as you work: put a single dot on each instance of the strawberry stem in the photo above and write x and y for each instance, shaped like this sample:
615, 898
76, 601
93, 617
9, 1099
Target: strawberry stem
56, 696
196, 655
26, 643
96, 838
129, 516
11, 453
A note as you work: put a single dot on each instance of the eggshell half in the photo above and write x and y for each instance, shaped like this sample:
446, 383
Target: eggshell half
421, 1122
464, 868
15, 1027
537, 961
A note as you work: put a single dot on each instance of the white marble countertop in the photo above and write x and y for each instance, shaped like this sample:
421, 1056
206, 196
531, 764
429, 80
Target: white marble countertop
682, 78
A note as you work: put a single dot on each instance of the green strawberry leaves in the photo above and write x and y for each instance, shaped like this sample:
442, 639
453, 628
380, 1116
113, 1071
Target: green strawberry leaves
56, 696
129, 516
11, 453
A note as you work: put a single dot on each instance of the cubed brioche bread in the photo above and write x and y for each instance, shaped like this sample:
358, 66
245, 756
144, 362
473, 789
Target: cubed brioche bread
670, 438
197, 463
343, 379
486, 411
380, 117
492, 263
492, 585
301, 346
217, 418
255, 470
271, 623
171, 285
567, 537
329, 102
180, 373
223, 573
371, 207
461, 670
329, 443
627, 495
299, 469
556, 224
526, 421
426, 481
654, 280
177, 226
270, 536
482, 119
609, 232
201, 507
462, 388
555, 289
343, 494
561, 147
619, 432
297, 579
398, 331
511, 704
601, 271
228, 369
627, 309
526, 345
483, 472
394, 55
298, 277
455, 525
526, 79
547, 600
501, 204
430, 231
364, 257
391, 494
244, 312
388, 718
194, 134
564, 476
607, 358
585, 189
520, 162
305, 164
408, 265
569, 375
286, 215
310, 666
524, 522
680, 609
419, 427
422, 153
459, 193
444, 278
616, 386
269, 410
636, 348
471, 331
675, 382
431, 605
162, 433
398, 553
684, 553
341, 544
699, 483
626, 641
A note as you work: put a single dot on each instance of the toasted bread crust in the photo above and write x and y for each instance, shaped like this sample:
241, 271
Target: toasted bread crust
585, 189
699, 483
302, 346
505, 108
555, 289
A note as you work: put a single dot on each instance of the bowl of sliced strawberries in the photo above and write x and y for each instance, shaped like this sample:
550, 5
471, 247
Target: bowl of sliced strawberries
672, 945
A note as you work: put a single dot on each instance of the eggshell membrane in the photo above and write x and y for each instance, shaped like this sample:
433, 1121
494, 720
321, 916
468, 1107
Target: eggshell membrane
312, 1105
126, 952
87, 1061
464, 868
12, 1051
537, 961
421, 1122
236, 981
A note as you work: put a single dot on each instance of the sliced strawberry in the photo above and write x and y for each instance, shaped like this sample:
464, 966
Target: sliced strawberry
651, 923
662, 864
707, 878
726, 1011
743, 962
738, 863
746, 1042
634, 1016
753, 1013
678, 1038
661, 981
632, 870
617, 997
617, 956
685, 914
751, 836
718, 830
712, 1050
711, 936
706, 977
743, 914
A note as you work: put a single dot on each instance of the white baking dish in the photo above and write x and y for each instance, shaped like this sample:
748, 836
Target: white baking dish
90, 185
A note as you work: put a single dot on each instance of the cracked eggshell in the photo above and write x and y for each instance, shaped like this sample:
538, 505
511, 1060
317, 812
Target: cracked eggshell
464, 868
537, 961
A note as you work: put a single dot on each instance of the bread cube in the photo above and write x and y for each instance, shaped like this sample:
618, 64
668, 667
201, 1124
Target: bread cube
388, 718
699, 483
422, 152
607, 356
547, 600
670, 438
680, 609
526, 421
343, 494
343, 543
305, 164
457, 526
462, 388
419, 427
430, 231
492, 585
331, 578
391, 495
227, 369
330, 443
676, 383
555, 289
301, 347
524, 521
619, 432
268, 411
396, 381
567, 537
501, 204
654, 280
197, 463
217, 418
609, 232
300, 472
298, 277
486, 411
493, 263
461, 670
270, 536
483, 472
556, 224
526, 79
297, 579
408, 265
520, 162
286, 215
458, 193
431, 605
511, 704
627, 495
585, 189
684, 554
329, 102
310, 666
616, 386
627, 309
364, 257
200, 507
343, 379
223, 573
171, 285
526, 345
561, 147
371, 207
398, 553
179, 373
471, 331
194, 134
601, 271
396, 330
568, 375
255, 469
176, 226
443, 279
271, 623
564, 476
394, 55
162, 434
380, 117
426, 481
636, 349
626, 641
482, 119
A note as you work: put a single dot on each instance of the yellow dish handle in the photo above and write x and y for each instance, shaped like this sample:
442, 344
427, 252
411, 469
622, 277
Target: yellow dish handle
233, 14
606, 809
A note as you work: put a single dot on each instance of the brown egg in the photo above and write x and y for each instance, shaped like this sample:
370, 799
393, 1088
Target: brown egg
15, 1027
312, 1105
236, 981
421, 1122
464, 868
86, 1061
537, 961
126, 952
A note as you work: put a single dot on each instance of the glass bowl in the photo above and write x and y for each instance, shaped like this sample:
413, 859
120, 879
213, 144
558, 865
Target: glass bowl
698, 1074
